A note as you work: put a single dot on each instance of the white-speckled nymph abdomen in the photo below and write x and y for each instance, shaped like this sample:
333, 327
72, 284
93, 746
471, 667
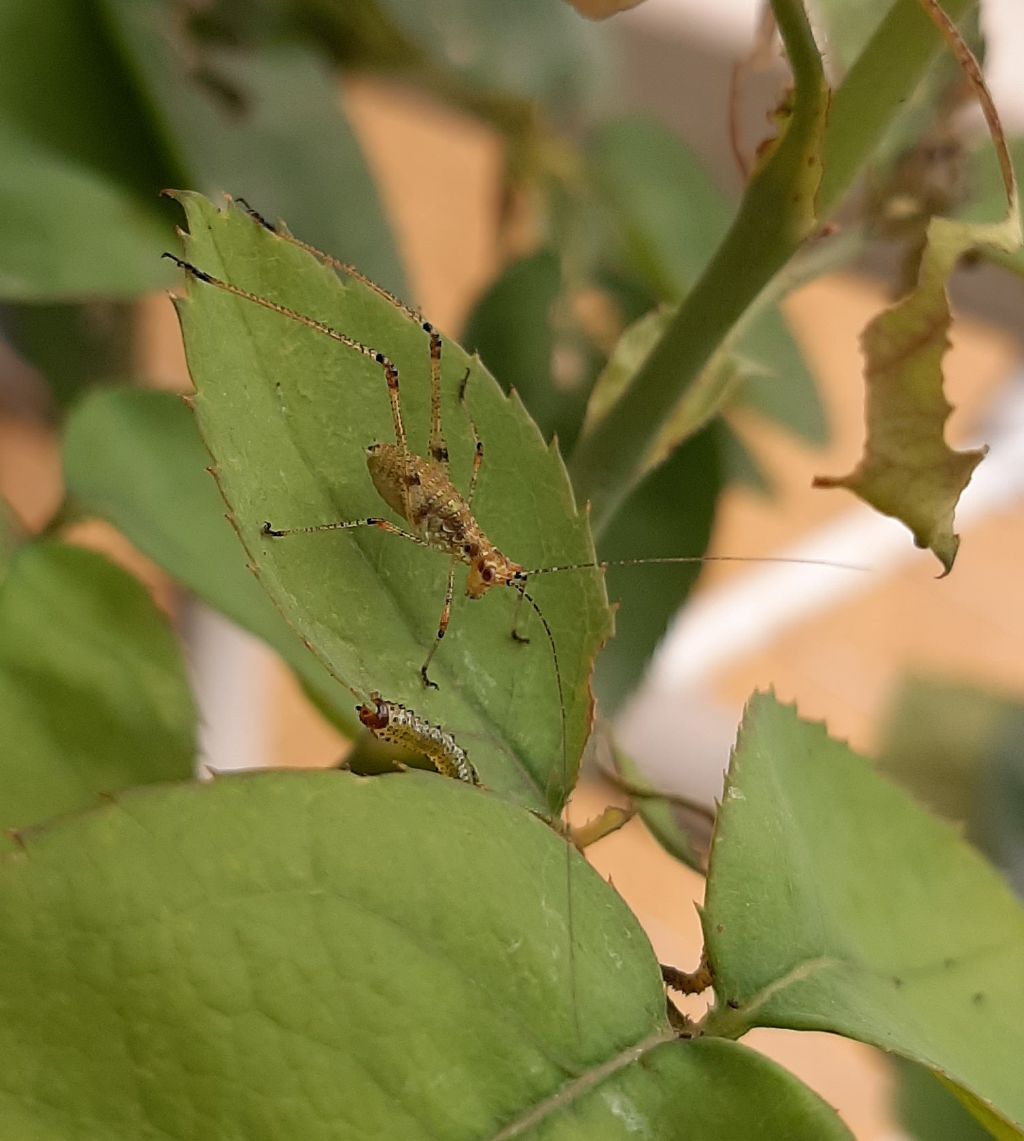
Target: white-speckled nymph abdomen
422, 494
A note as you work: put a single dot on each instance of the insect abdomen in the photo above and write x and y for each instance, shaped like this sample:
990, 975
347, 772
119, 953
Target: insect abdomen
394, 723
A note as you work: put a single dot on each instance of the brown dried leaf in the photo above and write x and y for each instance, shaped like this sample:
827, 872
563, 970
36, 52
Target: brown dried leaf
908, 470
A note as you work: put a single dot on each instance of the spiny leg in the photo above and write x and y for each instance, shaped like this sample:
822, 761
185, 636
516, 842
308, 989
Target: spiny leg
343, 525
442, 625
438, 445
516, 614
378, 358
478, 444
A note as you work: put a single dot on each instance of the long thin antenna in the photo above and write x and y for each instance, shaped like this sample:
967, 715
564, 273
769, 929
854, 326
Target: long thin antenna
669, 560
573, 993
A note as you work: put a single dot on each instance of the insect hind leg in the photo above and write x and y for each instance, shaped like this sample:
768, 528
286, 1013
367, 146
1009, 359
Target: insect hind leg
438, 444
442, 626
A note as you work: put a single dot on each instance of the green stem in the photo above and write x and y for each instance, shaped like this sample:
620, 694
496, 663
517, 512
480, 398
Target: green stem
607, 462
770, 226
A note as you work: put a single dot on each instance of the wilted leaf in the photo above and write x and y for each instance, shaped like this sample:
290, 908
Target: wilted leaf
321, 955
93, 692
908, 470
836, 903
288, 413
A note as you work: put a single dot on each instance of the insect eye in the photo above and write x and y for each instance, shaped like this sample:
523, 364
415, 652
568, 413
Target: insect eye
487, 574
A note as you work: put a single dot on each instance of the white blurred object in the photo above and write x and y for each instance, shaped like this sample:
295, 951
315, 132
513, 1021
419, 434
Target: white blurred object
229, 674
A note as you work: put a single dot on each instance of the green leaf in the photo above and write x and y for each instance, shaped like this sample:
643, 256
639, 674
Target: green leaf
135, 458
907, 470
669, 514
510, 328
835, 903
93, 693
281, 139
287, 414
928, 1111
531, 50
264, 122
957, 748
680, 829
47, 251
225, 960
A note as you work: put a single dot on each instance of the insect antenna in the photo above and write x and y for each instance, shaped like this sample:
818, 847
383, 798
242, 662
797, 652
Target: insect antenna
523, 593
670, 560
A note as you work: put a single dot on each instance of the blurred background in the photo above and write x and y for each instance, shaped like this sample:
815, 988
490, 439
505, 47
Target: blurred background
535, 183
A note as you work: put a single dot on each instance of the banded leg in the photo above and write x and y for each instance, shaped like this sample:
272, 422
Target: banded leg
344, 525
478, 444
516, 613
438, 444
442, 625
378, 358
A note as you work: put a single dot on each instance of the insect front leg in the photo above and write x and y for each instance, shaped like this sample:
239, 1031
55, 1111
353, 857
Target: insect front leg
478, 444
516, 614
442, 625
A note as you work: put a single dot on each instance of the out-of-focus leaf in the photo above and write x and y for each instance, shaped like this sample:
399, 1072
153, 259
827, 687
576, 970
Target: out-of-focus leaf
165, 952
960, 750
938, 739
673, 218
510, 328
108, 244
602, 9
285, 144
136, 459
670, 513
530, 50
288, 413
263, 121
93, 692
739, 464
835, 903
988, 194
73, 346
928, 1111
676, 829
